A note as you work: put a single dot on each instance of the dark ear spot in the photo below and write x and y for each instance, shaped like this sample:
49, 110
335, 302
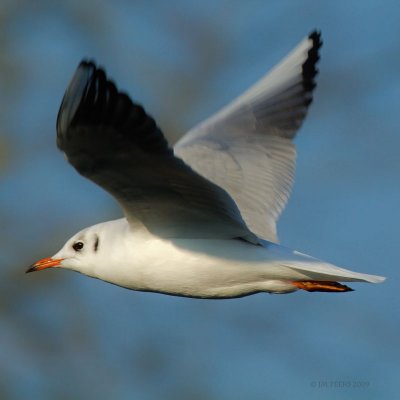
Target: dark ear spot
96, 243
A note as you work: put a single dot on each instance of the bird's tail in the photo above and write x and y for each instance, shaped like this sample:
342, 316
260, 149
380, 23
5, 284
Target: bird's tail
320, 275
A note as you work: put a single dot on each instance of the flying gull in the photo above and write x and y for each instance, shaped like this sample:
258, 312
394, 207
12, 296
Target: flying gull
200, 218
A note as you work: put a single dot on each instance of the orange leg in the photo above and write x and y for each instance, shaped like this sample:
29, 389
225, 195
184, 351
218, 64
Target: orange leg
321, 286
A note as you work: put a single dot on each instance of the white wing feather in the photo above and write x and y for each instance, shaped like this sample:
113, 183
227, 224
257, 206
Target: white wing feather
246, 147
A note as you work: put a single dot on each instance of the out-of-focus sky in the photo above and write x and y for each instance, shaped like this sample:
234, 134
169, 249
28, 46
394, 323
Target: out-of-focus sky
66, 336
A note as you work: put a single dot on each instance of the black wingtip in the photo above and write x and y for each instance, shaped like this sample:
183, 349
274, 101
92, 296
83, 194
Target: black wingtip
309, 68
92, 99
315, 36
72, 98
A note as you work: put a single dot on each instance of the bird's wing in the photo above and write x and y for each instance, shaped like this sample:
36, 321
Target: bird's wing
246, 148
113, 142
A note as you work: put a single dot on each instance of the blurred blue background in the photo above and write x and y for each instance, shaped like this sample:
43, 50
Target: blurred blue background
66, 336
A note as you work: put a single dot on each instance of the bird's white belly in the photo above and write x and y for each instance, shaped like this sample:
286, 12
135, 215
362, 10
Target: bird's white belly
202, 268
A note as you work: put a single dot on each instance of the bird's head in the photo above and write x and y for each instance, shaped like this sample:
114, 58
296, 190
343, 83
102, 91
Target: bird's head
78, 251
83, 252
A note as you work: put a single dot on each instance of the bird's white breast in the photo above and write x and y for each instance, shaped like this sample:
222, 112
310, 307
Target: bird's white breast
189, 267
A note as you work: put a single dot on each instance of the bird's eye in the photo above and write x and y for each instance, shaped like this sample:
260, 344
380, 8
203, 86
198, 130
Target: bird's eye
77, 246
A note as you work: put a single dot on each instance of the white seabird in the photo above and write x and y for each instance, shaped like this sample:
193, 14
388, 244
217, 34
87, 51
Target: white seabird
200, 219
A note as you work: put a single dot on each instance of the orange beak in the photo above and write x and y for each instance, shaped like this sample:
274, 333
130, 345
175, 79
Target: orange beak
44, 263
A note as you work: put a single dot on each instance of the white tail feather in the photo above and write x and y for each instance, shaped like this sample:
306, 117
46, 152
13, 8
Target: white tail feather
317, 269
